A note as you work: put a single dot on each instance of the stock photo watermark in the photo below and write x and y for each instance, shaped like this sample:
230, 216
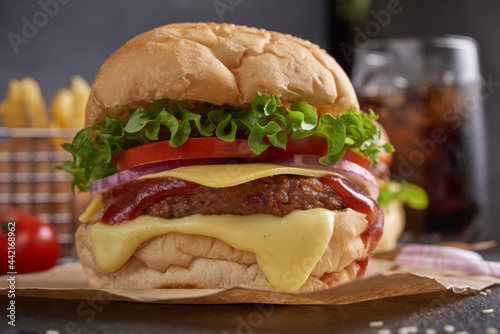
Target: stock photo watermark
11, 278
87, 310
295, 274
254, 319
223, 6
32, 25
372, 28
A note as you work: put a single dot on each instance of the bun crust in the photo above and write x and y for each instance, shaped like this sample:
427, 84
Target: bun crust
178, 260
220, 64
394, 223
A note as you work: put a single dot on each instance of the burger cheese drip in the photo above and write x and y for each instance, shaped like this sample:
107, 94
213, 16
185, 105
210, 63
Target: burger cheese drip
288, 243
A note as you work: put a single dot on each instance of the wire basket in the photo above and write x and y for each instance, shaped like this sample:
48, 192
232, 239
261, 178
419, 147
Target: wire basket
30, 182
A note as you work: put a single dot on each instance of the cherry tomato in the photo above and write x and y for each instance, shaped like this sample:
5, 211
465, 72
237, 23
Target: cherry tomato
195, 148
27, 243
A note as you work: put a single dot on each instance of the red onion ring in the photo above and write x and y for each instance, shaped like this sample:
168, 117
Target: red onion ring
359, 175
134, 173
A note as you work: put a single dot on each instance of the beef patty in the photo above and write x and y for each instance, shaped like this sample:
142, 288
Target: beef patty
277, 195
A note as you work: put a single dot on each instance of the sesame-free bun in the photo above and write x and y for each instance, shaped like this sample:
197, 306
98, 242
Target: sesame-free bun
220, 64
394, 223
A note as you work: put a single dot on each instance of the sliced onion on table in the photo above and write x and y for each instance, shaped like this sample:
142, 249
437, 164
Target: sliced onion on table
359, 175
441, 251
446, 258
473, 267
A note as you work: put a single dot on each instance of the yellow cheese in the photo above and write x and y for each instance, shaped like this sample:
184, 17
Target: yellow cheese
221, 176
94, 206
287, 248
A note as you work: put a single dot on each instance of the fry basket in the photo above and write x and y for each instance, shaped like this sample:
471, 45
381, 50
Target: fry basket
30, 182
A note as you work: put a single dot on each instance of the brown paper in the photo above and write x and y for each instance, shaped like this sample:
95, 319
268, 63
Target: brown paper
383, 279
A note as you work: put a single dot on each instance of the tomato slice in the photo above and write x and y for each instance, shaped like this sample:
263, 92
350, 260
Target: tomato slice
193, 148
211, 147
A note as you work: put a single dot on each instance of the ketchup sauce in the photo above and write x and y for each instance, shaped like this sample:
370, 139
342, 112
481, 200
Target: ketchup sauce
130, 199
357, 200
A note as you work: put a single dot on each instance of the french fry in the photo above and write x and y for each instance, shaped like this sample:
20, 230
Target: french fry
24, 105
61, 107
10, 108
35, 104
81, 91
68, 105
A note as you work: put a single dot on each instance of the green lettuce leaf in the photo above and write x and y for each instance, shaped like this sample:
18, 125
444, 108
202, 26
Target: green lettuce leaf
408, 193
265, 122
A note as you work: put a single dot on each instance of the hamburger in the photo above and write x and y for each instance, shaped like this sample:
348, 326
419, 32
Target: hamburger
222, 155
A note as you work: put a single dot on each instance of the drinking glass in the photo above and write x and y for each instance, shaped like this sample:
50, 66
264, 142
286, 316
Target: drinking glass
427, 93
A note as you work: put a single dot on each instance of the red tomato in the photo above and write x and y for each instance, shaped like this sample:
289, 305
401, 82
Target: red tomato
27, 243
211, 147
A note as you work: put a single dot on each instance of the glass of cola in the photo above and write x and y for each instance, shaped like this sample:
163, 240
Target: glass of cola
427, 92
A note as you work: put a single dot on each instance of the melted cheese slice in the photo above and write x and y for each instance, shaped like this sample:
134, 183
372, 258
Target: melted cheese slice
94, 207
287, 248
221, 176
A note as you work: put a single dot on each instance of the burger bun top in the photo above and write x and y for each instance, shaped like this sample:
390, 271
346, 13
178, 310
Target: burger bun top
223, 64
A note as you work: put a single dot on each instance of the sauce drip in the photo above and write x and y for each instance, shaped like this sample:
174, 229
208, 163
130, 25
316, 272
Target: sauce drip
354, 198
130, 199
